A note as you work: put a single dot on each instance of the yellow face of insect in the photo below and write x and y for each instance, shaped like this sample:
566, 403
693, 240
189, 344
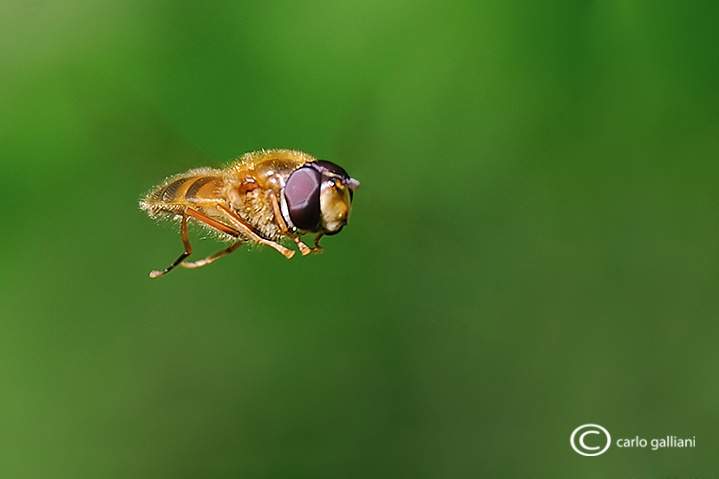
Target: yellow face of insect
317, 198
335, 205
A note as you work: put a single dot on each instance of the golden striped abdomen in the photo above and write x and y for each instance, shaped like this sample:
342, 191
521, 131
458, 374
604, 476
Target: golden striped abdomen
197, 189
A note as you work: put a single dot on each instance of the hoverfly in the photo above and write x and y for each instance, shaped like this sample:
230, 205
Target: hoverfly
263, 197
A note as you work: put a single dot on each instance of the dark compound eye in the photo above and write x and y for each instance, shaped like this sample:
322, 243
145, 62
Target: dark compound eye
329, 167
335, 170
302, 193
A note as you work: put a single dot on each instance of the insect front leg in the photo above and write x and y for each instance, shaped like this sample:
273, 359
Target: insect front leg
248, 231
185, 254
318, 248
280, 221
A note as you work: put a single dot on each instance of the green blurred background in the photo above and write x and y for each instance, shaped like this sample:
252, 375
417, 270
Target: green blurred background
535, 245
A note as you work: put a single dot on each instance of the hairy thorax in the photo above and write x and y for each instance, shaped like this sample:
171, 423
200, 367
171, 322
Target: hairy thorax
254, 206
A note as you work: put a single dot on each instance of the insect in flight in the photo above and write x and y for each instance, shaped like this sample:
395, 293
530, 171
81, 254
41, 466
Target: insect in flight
263, 197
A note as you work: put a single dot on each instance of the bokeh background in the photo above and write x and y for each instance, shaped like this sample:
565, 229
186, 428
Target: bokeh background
535, 245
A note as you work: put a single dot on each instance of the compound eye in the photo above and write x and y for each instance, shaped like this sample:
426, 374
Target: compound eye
329, 167
302, 193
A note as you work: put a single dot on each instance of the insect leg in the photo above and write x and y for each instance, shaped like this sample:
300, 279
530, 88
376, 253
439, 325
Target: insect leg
251, 234
185, 254
213, 257
304, 249
318, 248
228, 230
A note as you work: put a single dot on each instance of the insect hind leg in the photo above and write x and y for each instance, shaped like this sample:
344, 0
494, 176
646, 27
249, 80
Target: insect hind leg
181, 258
213, 257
